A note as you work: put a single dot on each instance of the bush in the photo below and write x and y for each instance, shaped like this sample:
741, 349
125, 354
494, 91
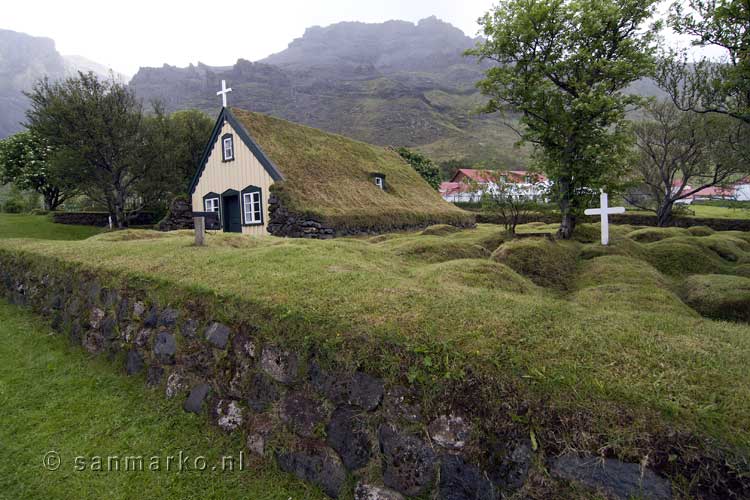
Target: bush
14, 206
652, 234
547, 263
719, 296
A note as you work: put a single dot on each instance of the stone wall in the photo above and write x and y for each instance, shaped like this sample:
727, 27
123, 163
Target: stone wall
283, 222
179, 216
341, 430
100, 219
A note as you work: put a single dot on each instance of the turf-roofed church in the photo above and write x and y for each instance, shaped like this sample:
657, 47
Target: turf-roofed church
266, 175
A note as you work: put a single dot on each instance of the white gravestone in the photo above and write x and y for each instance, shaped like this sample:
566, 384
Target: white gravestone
223, 93
604, 211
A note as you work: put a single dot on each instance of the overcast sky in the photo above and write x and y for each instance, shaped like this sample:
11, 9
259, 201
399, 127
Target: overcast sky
129, 34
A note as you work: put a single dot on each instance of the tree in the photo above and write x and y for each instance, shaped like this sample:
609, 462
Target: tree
511, 205
563, 64
191, 130
29, 163
682, 153
423, 165
97, 126
710, 86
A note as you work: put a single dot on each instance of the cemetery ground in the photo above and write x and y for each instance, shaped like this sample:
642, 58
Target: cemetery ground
636, 350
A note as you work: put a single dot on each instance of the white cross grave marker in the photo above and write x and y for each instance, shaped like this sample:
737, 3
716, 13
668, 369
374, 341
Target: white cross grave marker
604, 210
223, 93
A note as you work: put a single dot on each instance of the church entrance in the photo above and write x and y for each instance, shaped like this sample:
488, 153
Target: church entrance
232, 217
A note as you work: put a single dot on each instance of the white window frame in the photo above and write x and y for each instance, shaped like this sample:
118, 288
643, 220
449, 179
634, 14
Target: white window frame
252, 209
214, 204
379, 182
228, 151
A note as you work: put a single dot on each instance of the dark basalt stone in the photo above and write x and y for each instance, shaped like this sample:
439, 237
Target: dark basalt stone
165, 348
280, 365
619, 479
358, 389
399, 403
462, 481
93, 342
262, 393
302, 414
347, 434
218, 335
168, 317
109, 328
152, 318
317, 464
190, 329
408, 462
154, 375
133, 362
194, 401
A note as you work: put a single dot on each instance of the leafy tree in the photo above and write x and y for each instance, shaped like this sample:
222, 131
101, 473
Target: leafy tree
97, 126
29, 163
191, 130
682, 153
512, 206
562, 65
423, 165
710, 86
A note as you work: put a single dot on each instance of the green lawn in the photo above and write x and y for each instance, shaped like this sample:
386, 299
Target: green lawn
41, 227
54, 398
712, 212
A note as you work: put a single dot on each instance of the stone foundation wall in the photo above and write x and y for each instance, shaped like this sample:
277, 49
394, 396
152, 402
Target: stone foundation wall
283, 222
179, 216
340, 430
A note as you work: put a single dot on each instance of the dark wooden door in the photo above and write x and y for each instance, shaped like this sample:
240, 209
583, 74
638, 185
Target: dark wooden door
232, 217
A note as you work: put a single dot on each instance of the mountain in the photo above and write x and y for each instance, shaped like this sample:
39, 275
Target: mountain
394, 83
74, 64
24, 59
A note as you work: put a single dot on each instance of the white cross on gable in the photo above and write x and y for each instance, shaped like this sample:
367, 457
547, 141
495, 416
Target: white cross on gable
223, 93
604, 210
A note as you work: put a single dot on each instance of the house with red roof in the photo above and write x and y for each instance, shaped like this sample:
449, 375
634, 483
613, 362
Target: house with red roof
468, 185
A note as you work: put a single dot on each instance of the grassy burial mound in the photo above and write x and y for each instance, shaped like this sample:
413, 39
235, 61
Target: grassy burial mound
328, 177
608, 357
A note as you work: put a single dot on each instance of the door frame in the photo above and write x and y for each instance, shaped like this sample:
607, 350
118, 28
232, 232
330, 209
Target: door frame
225, 213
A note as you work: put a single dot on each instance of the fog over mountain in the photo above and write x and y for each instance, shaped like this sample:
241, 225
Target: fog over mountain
394, 83
24, 59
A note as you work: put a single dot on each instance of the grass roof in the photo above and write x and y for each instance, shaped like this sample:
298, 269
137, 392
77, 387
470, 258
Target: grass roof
329, 176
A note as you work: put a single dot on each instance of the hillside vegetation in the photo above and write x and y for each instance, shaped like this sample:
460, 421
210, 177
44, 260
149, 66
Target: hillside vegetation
611, 355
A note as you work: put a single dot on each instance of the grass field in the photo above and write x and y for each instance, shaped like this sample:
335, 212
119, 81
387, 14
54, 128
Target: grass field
56, 398
608, 337
41, 227
712, 212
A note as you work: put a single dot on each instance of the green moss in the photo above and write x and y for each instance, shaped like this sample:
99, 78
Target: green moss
618, 269
437, 249
587, 233
478, 273
440, 230
546, 263
743, 270
617, 246
652, 234
727, 247
700, 231
719, 296
682, 257
328, 176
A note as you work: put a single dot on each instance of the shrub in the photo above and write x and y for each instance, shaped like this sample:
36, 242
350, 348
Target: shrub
682, 257
719, 296
546, 263
652, 234
479, 273
440, 230
700, 231
14, 206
